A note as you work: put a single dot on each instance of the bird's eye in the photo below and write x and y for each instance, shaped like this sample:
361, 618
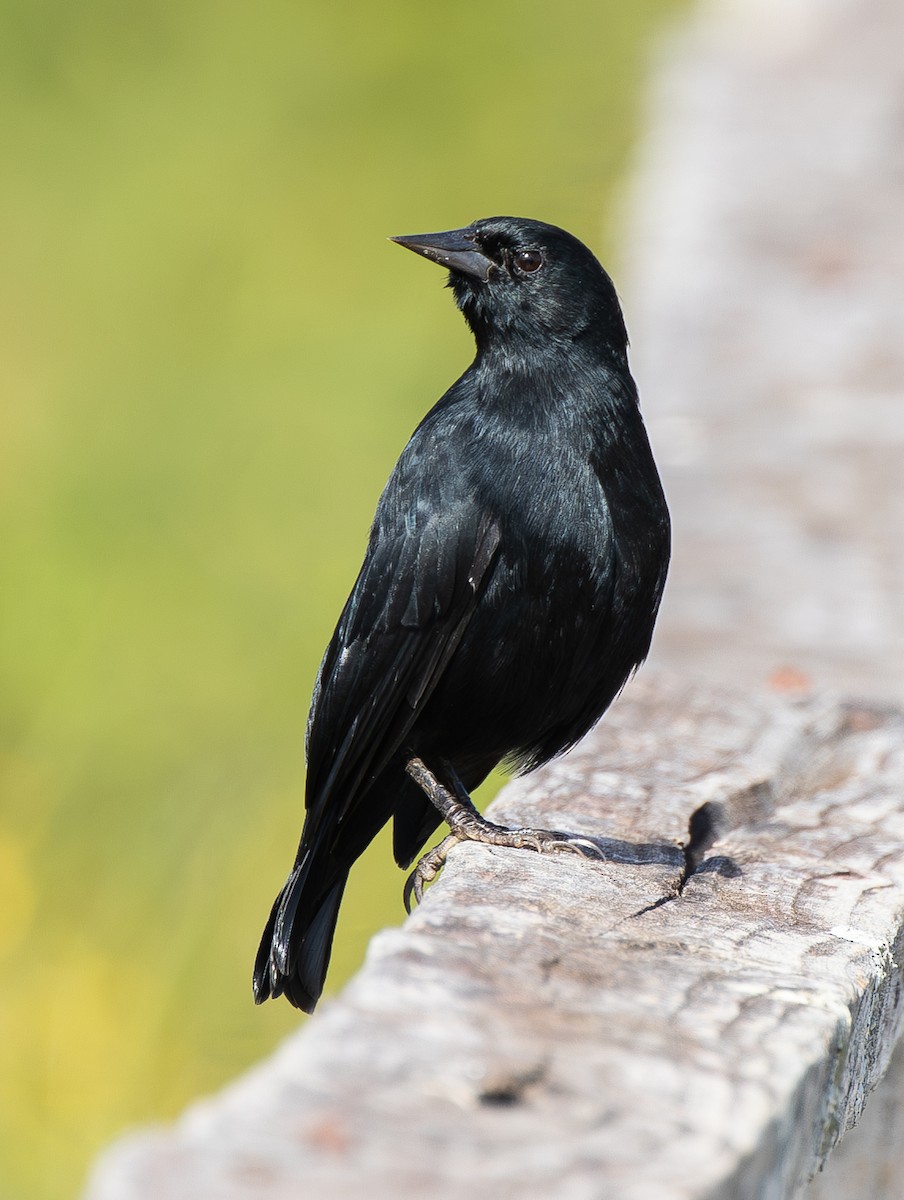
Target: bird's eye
528, 261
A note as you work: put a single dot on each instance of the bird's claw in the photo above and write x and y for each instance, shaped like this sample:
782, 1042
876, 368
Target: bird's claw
427, 870
586, 847
544, 840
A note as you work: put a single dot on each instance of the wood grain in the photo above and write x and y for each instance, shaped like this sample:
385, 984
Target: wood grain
547, 1026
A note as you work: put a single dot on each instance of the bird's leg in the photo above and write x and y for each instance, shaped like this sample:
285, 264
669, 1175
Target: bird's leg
467, 825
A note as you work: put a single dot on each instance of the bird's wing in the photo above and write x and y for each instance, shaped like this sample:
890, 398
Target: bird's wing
410, 605
425, 569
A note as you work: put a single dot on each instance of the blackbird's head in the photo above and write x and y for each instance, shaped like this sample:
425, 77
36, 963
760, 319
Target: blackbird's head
522, 281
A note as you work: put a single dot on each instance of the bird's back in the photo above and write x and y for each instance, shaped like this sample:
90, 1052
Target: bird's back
560, 460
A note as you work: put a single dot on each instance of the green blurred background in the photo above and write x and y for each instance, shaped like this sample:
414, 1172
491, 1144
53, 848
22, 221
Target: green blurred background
210, 360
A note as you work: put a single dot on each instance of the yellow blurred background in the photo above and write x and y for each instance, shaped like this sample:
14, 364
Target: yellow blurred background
210, 359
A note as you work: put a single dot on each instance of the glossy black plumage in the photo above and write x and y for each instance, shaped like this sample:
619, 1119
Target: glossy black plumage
511, 581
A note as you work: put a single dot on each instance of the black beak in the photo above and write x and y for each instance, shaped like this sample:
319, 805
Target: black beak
455, 249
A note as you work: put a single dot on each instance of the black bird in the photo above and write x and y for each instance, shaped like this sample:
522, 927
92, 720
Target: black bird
510, 586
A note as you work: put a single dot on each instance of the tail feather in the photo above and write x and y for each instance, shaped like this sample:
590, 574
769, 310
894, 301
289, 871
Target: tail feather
294, 953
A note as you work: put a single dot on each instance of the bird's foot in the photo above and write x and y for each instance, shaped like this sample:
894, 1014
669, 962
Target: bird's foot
467, 825
427, 869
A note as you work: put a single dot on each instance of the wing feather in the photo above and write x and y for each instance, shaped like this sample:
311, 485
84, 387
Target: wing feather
403, 621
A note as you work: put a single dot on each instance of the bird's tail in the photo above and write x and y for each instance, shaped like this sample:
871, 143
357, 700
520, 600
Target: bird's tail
295, 948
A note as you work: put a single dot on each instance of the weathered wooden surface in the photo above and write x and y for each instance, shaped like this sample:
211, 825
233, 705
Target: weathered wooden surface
767, 302
867, 1165
542, 1027
765, 297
